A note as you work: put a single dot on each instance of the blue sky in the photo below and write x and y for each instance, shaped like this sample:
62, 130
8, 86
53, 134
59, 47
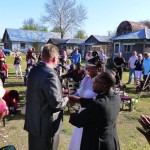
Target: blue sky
103, 15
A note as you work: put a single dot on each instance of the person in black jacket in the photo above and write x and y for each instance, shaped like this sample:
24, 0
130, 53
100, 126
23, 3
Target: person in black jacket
138, 67
119, 63
99, 118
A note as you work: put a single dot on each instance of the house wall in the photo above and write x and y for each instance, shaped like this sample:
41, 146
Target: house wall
7, 42
25, 44
127, 48
106, 46
22, 46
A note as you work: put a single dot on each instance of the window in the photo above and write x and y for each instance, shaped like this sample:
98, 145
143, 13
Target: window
116, 48
22, 45
127, 48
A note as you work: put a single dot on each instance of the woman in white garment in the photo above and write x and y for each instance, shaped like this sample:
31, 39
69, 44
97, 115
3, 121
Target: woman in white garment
85, 90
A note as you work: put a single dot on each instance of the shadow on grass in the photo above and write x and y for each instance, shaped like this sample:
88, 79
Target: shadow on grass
18, 116
131, 117
66, 113
131, 90
125, 110
14, 84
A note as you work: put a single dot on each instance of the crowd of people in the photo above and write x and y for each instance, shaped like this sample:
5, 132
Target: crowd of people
138, 64
99, 103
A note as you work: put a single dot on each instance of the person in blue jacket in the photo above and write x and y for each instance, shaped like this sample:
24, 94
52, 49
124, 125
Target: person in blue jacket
76, 57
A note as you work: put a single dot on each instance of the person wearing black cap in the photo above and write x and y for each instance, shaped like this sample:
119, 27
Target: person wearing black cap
95, 54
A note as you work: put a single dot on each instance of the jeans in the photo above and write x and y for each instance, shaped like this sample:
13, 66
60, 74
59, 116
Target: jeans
138, 75
131, 71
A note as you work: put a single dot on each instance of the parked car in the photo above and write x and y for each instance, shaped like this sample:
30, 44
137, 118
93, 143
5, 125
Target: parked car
24, 50
7, 52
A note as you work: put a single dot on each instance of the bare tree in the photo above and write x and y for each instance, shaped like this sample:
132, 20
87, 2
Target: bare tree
65, 14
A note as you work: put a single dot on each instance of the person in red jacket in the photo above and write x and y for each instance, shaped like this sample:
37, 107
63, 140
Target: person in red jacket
11, 98
3, 70
29, 55
2, 55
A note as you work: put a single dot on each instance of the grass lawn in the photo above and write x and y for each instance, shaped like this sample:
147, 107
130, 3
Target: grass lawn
130, 138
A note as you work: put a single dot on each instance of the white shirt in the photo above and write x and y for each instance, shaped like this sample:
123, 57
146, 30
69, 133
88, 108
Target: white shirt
86, 88
132, 60
103, 56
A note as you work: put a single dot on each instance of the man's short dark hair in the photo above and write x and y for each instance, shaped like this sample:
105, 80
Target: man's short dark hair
107, 79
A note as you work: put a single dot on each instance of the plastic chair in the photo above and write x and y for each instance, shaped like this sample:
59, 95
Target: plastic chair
72, 88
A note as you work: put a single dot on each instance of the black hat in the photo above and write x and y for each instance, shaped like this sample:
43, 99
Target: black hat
78, 65
94, 62
94, 53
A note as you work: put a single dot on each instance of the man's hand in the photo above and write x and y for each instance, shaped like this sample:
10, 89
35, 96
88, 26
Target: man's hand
145, 122
73, 99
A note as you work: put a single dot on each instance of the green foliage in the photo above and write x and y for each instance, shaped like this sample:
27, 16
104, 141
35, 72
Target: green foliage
28, 27
80, 34
56, 29
131, 117
66, 131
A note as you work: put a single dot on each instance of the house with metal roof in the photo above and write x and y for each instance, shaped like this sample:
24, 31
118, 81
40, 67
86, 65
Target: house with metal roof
97, 42
134, 41
17, 39
68, 44
128, 27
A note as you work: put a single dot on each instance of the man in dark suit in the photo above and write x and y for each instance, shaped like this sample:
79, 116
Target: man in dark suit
99, 118
44, 102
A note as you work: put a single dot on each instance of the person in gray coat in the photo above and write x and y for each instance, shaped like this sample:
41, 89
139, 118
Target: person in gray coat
44, 103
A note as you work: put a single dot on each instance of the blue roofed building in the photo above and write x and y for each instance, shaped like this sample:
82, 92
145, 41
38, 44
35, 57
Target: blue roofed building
21, 40
127, 43
97, 42
68, 44
131, 36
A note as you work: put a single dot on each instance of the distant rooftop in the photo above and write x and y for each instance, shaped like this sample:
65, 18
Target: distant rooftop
30, 35
65, 41
103, 38
140, 34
